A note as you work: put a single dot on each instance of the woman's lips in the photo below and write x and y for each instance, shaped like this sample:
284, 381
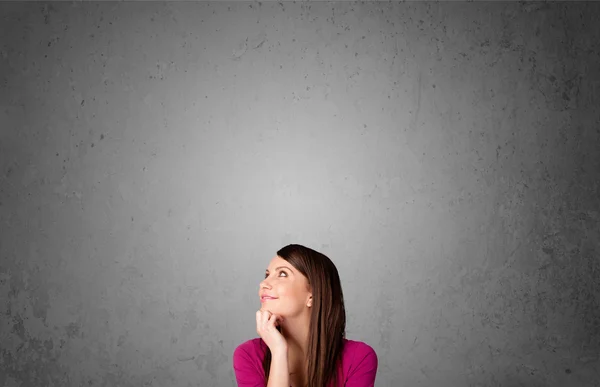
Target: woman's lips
263, 299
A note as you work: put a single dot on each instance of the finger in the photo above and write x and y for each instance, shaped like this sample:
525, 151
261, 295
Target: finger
266, 316
277, 320
273, 320
260, 319
259, 323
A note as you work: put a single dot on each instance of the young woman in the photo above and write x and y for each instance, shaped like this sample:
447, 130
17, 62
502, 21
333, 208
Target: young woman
301, 324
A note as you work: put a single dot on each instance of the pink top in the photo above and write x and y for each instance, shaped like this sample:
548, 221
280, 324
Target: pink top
359, 364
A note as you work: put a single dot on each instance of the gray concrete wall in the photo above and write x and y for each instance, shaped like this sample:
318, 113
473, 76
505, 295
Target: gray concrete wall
154, 156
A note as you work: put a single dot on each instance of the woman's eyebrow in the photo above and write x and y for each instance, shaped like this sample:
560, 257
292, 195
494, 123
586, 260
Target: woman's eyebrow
279, 267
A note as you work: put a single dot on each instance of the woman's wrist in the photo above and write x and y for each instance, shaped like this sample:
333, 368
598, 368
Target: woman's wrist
279, 374
279, 351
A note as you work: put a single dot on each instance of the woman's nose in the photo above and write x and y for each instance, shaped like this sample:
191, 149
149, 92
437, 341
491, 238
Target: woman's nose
264, 284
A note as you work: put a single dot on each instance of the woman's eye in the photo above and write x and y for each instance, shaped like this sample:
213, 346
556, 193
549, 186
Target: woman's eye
266, 275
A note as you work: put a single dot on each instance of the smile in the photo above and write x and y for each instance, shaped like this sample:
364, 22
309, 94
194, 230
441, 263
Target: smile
263, 299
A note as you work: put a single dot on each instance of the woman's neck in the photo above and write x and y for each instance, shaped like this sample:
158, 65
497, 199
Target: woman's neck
295, 331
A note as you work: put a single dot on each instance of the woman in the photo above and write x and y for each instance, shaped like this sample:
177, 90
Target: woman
302, 325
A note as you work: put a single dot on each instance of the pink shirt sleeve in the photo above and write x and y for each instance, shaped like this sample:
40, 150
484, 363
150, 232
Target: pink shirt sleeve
248, 368
364, 368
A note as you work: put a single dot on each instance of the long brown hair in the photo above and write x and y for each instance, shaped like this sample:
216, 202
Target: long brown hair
327, 328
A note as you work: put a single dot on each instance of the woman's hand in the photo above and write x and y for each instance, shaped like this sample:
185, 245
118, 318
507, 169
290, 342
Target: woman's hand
266, 323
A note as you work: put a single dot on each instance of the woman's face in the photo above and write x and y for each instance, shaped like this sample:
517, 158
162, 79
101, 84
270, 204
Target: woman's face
288, 287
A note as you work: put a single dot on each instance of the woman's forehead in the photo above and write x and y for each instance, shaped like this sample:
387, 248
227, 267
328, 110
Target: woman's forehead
278, 261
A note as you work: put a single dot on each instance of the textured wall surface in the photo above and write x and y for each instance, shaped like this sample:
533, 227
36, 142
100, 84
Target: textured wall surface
155, 156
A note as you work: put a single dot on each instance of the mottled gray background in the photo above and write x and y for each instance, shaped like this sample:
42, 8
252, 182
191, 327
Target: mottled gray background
154, 157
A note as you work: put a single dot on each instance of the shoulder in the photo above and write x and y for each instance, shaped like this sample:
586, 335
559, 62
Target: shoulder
357, 349
247, 362
250, 349
360, 362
